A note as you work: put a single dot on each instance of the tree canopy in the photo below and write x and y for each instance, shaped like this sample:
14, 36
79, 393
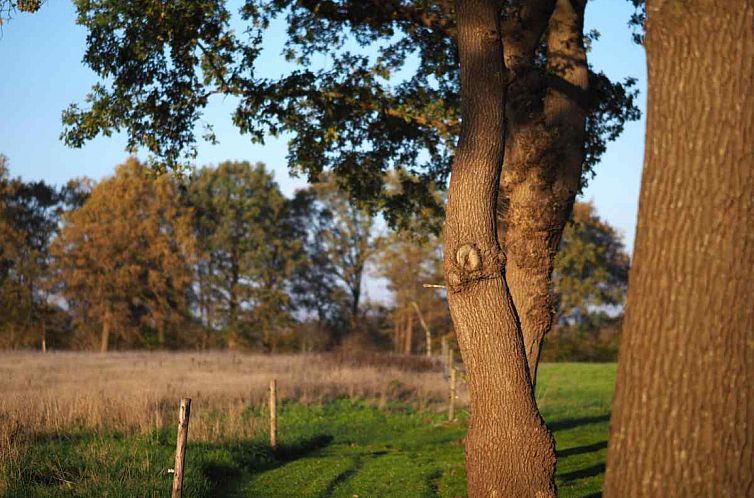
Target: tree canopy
250, 246
387, 99
123, 260
29, 220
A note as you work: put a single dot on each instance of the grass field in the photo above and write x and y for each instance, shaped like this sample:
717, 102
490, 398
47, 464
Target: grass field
346, 430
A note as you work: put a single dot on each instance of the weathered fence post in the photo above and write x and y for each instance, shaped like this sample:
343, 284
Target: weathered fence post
452, 395
449, 361
180, 447
273, 414
444, 354
451, 385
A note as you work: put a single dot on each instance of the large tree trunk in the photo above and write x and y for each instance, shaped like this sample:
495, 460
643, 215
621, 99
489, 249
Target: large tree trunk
683, 417
509, 451
544, 154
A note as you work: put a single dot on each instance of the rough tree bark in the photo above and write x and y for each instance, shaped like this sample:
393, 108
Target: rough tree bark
683, 416
509, 451
544, 153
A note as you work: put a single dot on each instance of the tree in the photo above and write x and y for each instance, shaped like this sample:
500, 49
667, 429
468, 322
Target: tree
29, 213
683, 419
316, 289
123, 260
358, 118
509, 451
8, 8
591, 268
407, 261
589, 286
341, 242
250, 248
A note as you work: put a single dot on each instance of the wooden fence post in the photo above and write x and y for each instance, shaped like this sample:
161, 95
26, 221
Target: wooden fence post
273, 414
444, 354
180, 447
449, 361
452, 395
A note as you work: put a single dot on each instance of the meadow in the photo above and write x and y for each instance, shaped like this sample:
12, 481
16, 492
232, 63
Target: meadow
76, 424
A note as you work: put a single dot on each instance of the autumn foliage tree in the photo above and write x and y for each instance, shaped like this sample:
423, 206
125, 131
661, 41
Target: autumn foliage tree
123, 260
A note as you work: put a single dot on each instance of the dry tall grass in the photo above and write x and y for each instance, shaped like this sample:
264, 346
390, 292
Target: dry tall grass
56, 393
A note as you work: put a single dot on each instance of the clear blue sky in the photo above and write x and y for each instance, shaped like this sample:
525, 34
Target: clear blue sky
41, 73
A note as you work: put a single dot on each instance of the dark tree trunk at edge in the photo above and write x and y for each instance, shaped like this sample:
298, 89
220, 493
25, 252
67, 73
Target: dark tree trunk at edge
683, 416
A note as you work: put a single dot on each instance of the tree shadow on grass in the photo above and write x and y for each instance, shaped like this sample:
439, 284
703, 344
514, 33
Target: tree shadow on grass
580, 450
344, 476
571, 423
289, 452
592, 471
253, 457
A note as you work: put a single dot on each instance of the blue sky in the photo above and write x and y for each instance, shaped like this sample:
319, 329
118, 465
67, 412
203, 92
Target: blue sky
41, 73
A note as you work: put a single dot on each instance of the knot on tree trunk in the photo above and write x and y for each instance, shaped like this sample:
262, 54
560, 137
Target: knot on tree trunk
472, 264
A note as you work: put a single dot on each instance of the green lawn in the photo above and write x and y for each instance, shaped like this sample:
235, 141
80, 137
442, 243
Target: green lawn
339, 449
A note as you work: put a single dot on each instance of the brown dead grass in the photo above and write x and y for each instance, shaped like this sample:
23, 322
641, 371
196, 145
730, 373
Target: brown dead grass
136, 392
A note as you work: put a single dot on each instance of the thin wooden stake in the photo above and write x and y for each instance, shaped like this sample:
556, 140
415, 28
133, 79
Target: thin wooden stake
452, 396
449, 360
273, 414
44, 336
180, 447
427, 333
444, 354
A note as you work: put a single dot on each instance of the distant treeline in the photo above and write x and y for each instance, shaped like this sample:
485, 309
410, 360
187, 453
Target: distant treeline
221, 258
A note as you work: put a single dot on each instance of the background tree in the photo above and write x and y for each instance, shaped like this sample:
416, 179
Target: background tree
316, 288
250, 246
341, 242
683, 419
29, 213
591, 269
590, 280
123, 260
407, 262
